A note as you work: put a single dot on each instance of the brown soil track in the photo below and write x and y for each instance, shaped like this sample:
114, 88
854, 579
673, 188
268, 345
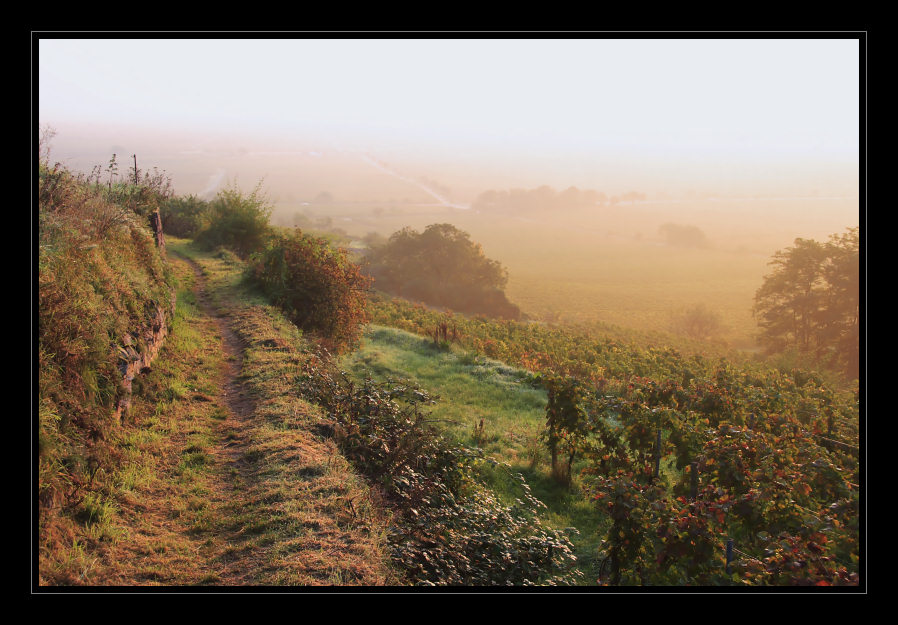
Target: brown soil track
326, 547
231, 470
240, 405
234, 485
164, 545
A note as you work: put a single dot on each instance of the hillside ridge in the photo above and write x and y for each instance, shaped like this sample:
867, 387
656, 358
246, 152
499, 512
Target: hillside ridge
223, 479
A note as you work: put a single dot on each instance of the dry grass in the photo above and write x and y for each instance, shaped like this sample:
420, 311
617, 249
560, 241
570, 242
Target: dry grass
222, 480
100, 281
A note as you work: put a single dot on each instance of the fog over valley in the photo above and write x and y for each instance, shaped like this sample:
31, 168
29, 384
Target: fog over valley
468, 310
608, 194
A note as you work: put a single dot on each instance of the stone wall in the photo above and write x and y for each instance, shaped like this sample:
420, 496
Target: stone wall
131, 362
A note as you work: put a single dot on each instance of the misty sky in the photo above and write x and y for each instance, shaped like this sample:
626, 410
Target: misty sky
654, 97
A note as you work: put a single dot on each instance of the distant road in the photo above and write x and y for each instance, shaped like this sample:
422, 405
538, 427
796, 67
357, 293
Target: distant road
416, 183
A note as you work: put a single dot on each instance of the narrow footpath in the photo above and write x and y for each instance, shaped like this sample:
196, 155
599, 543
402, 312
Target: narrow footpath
229, 483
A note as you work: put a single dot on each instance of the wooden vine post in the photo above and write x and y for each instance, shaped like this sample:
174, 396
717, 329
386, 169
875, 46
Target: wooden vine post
693, 476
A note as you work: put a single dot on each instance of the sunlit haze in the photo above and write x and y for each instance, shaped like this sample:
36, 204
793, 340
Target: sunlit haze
681, 110
453, 310
755, 142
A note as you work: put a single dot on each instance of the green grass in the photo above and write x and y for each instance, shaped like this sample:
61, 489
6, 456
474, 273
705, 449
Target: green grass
512, 407
469, 388
289, 489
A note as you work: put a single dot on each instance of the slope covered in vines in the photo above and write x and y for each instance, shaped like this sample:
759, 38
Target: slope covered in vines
764, 479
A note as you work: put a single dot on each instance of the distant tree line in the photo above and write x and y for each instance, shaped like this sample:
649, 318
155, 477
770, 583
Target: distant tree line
441, 267
810, 303
546, 198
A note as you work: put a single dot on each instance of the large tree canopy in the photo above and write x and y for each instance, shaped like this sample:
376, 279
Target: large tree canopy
810, 303
442, 267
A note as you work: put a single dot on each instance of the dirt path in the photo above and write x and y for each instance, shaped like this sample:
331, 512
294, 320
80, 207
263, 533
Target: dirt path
232, 474
179, 523
240, 546
234, 395
224, 480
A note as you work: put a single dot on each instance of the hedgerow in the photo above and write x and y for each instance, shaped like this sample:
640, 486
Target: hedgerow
449, 528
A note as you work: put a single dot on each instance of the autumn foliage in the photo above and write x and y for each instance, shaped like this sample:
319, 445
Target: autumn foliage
317, 286
810, 303
767, 458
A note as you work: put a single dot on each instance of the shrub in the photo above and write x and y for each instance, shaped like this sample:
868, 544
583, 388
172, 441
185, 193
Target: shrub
184, 216
681, 235
448, 527
316, 285
698, 322
237, 221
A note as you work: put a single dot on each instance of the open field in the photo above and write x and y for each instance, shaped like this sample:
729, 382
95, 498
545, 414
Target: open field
610, 264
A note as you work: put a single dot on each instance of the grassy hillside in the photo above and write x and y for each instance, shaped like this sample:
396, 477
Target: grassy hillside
477, 388
219, 477
267, 445
747, 451
492, 406
102, 285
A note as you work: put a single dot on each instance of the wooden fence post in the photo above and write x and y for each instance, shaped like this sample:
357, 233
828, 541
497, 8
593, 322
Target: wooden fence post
156, 225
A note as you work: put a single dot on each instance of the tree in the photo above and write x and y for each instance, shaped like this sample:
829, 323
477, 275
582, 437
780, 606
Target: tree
237, 221
839, 319
698, 322
442, 267
810, 302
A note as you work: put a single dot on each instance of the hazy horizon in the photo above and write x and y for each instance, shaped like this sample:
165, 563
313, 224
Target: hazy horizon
735, 117
751, 143
417, 309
